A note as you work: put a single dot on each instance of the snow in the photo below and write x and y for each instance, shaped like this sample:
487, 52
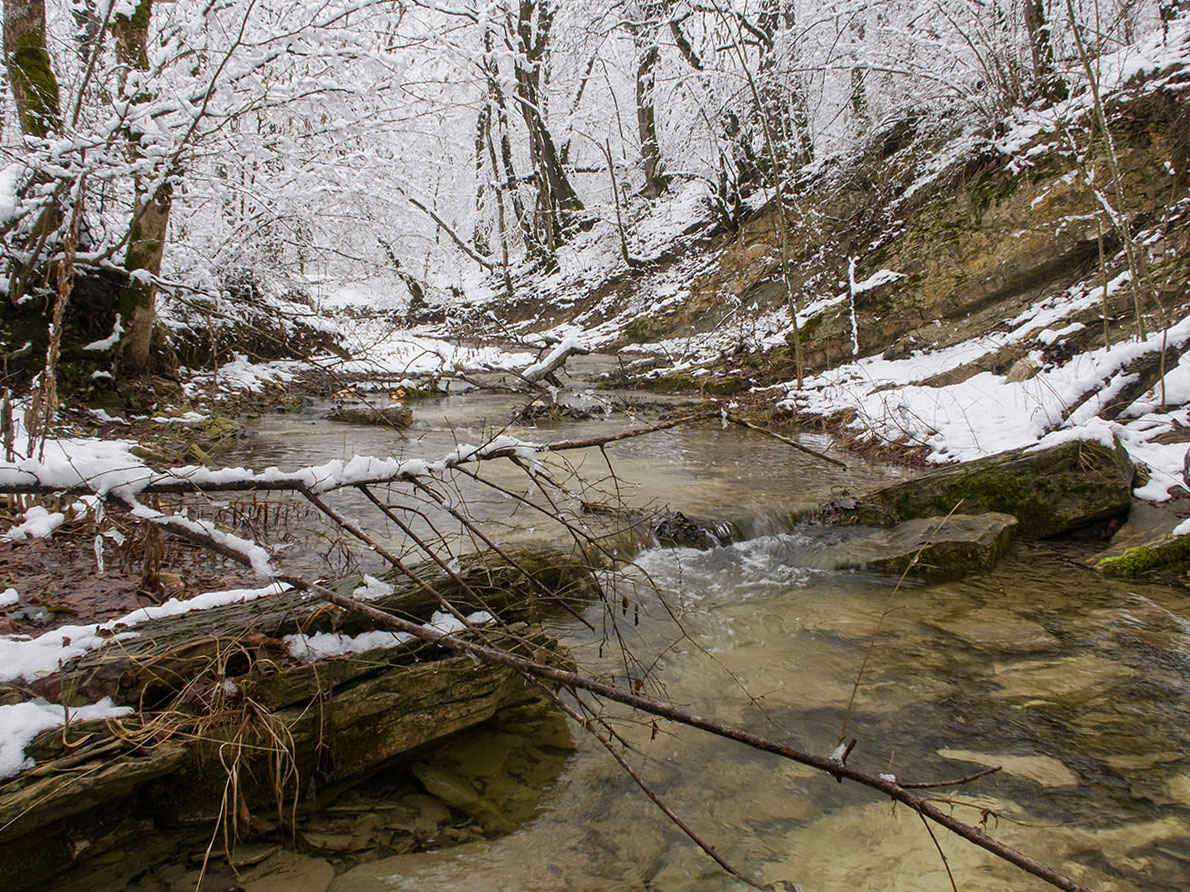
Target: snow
101, 466
10, 177
248, 551
986, 413
20, 723
324, 645
184, 418
25, 658
572, 343
39, 524
883, 277
1048, 336
110, 341
9, 596
372, 589
242, 375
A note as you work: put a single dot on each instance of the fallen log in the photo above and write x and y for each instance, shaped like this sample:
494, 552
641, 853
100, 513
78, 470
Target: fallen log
219, 695
170, 655
398, 415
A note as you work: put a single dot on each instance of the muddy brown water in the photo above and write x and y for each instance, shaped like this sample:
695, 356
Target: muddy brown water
1078, 686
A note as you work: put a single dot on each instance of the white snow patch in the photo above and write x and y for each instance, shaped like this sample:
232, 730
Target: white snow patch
21, 722
324, 645
110, 341
39, 524
372, 589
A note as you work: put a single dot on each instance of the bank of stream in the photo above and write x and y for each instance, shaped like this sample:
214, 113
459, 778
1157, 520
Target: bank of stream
1077, 685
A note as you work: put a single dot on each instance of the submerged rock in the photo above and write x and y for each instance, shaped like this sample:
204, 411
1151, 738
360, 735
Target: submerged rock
289, 872
1044, 770
459, 793
1049, 491
928, 546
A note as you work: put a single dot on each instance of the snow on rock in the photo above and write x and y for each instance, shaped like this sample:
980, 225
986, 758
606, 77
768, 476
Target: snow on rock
241, 374
986, 413
883, 277
39, 523
9, 596
184, 418
21, 722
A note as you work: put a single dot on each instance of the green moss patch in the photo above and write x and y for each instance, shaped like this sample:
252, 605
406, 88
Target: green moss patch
1173, 551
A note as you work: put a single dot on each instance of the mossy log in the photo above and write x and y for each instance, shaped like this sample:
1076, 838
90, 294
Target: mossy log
1049, 491
217, 689
180, 652
398, 415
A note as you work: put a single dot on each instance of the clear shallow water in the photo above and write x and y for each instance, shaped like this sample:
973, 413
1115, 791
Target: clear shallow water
1080, 687
702, 469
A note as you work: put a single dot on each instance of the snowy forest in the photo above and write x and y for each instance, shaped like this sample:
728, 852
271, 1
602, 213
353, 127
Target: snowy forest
669, 444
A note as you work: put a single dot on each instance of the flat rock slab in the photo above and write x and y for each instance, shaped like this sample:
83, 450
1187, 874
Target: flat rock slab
960, 543
996, 630
1049, 491
1044, 770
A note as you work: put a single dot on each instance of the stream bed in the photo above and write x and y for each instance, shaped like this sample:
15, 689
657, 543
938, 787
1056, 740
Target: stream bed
1077, 685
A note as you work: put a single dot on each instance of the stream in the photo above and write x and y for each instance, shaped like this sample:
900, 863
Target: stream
1077, 685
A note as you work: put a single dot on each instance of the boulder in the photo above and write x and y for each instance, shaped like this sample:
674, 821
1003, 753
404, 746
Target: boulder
1049, 491
943, 546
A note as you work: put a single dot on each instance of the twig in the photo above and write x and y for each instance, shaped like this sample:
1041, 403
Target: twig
788, 441
933, 785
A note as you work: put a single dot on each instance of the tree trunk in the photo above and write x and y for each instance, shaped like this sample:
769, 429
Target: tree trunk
860, 113
30, 72
782, 105
557, 202
505, 180
648, 54
150, 213
1046, 82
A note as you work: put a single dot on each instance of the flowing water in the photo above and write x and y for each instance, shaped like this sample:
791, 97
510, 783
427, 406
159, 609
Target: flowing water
1076, 685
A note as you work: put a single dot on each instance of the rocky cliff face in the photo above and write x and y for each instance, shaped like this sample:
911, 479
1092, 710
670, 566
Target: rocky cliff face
977, 229
994, 233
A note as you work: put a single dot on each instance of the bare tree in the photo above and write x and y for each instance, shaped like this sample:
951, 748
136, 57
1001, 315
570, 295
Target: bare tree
558, 204
1046, 82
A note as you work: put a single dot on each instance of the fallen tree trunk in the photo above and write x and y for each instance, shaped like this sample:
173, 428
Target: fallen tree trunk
173, 654
223, 705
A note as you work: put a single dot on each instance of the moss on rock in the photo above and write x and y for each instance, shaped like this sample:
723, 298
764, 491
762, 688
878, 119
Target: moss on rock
1142, 560
1049, 491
